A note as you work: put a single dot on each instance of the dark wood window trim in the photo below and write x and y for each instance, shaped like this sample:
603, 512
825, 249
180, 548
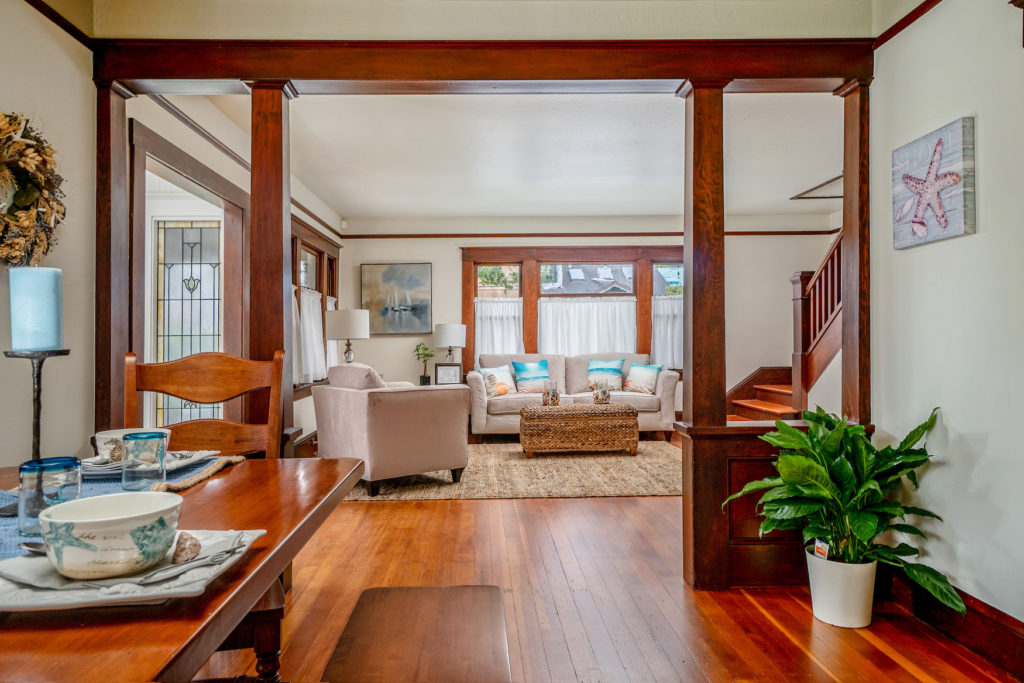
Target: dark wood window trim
529, 260
304, 236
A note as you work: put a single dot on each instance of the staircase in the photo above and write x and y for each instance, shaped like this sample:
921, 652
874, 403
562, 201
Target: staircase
781, 393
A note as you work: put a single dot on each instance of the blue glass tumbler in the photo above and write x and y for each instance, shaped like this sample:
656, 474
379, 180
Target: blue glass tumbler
143, 460
44, 483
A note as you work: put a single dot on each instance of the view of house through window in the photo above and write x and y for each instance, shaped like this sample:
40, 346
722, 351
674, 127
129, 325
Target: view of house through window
590, 278
668, 278
186, 283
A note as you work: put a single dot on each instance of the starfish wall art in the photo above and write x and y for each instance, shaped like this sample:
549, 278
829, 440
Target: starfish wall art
933, 186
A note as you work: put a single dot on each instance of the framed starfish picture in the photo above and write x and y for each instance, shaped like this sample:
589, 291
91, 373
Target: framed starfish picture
933, 186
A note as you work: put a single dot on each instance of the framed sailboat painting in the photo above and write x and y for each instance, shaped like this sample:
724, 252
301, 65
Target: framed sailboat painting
397, 296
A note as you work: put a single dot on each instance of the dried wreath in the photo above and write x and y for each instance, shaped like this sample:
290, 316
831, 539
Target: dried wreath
30, 194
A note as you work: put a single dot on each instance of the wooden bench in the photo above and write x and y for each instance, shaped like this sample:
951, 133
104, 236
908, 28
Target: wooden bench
436, 634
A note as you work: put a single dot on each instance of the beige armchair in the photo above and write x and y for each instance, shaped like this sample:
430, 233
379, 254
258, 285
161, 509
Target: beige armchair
396, 428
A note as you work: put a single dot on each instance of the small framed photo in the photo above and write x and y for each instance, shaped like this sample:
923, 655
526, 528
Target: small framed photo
447, 373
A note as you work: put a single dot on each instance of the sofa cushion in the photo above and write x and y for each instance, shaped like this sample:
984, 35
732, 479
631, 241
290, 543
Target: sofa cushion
605, 374
498, 381
556, 364
576, 367
531, 378
355, 376
506, 405
645, 403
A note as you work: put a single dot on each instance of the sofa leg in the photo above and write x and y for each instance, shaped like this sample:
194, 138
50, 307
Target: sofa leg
374, 487
457, 474
669, 434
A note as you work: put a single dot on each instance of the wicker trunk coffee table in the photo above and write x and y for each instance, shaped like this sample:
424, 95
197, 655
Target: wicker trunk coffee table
581, 427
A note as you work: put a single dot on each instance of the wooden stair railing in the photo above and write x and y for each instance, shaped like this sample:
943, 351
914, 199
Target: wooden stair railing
817, 330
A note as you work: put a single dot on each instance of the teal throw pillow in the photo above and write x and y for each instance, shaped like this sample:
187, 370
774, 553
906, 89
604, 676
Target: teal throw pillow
605, 373
531, 377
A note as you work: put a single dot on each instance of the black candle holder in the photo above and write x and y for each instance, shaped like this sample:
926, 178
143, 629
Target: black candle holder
37, 358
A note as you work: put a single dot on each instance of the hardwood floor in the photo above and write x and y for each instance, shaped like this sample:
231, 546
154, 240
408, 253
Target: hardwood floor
592, 592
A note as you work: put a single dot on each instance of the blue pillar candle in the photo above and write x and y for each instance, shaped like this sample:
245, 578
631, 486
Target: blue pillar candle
36, 309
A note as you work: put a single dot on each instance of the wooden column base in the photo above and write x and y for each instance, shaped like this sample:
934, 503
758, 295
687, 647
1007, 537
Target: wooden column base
721, 548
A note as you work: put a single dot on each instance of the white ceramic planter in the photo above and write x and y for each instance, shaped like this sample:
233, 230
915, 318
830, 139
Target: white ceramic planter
841, 594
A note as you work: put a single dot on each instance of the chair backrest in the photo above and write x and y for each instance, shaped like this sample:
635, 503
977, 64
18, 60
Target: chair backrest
211, 378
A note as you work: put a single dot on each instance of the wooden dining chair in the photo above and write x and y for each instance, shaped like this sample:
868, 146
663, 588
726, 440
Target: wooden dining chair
213, 378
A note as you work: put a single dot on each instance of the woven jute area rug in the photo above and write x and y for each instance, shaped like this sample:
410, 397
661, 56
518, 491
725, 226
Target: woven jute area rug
501, 470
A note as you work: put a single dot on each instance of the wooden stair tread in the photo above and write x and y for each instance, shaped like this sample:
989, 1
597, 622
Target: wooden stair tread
766, 406
776, 388
737, 418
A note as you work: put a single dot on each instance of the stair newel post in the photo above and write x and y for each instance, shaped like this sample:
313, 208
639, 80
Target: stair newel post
801, 335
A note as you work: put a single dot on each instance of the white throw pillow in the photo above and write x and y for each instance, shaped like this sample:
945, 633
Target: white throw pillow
642, 378
498, 381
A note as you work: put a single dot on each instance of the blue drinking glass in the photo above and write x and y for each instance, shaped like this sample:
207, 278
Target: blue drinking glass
143, 460
44, 483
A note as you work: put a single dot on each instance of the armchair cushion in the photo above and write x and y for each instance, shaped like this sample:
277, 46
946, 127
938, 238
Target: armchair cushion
355, 376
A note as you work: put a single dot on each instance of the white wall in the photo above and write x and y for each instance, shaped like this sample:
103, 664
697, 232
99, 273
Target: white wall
827, 392
947, 322
758, 294
54, 90
482, 19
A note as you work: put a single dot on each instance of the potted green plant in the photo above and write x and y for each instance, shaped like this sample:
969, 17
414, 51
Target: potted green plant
836, 488
423, 354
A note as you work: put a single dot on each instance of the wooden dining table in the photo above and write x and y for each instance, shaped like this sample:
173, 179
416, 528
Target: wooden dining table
290, 498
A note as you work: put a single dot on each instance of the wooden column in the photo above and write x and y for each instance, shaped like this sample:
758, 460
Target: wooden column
113, 254
469, 313
704, 257
801, 336
643, 278
270, 255
529, 287
856, 281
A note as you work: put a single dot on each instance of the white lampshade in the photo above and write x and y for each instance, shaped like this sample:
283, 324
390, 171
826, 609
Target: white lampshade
348, 324
449, 335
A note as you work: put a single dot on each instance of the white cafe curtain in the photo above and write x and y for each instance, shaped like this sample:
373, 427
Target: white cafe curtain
667, 331
578, 325
499, 325
332, 345
296, 339
311, 333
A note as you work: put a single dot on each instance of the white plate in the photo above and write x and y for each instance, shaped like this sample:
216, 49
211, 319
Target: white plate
16, 597
171, 464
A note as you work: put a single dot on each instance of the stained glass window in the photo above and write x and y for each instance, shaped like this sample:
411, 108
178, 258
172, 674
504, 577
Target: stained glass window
188, 304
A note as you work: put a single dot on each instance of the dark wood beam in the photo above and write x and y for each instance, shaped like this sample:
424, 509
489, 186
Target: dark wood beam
113, 255
856, 275
332, 67
270, 255
704, 257
904, 22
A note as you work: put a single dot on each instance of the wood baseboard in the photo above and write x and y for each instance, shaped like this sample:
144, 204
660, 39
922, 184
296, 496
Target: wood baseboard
990, 632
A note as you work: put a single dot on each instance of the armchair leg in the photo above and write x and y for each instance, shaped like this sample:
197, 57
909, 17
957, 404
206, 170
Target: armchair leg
457, 474
374, 487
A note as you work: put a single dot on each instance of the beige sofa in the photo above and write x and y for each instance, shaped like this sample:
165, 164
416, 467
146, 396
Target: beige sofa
396, 428
500, 414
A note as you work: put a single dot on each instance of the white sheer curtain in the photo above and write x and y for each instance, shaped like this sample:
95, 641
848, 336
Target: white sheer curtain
332, 345
296, 339
578, 325
499, 325
667, 332
311, 331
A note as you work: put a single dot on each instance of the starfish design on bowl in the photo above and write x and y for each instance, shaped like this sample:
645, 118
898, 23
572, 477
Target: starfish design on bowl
928, 192
60, 536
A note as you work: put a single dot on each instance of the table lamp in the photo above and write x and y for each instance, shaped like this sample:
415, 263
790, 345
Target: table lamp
451, 335
348, 324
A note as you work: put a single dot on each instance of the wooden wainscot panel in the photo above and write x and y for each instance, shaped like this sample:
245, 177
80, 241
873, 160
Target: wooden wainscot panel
721, 548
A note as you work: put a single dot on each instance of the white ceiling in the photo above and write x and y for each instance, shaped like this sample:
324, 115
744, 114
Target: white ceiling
550, 155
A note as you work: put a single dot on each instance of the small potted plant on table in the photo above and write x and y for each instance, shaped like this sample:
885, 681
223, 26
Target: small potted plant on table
834, 486
423, 354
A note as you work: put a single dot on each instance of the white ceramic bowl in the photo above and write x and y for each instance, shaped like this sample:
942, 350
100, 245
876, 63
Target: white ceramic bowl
110, 442
113, 535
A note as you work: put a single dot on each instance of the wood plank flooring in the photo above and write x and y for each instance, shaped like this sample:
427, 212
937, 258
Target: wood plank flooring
592, 592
